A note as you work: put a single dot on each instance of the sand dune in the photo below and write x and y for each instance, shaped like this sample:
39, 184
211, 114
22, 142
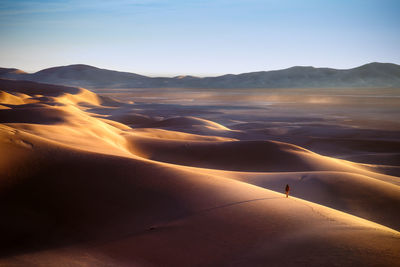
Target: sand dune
10, 99
189, 122
131, 118
79, 188
361, 195
145, 133
247, 156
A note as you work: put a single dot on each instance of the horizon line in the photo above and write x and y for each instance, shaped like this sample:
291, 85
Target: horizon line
204, 75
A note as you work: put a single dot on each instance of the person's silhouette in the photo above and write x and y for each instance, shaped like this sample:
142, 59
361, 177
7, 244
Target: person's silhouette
287, 189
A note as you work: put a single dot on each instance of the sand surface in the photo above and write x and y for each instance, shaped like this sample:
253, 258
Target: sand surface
174, 177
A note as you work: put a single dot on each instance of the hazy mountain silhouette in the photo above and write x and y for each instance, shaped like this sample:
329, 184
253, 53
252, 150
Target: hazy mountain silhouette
10, 71
369, 75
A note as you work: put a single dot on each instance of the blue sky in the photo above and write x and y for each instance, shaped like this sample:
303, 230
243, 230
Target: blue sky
160, 37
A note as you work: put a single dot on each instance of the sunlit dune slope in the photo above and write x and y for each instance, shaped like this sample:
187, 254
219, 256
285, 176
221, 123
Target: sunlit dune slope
188, 121
34, 92
162, 134
360, 195
78, 188
335, 183
7, 98
238, 155
58, 113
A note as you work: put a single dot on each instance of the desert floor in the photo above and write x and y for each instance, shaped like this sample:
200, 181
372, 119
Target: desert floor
184, 177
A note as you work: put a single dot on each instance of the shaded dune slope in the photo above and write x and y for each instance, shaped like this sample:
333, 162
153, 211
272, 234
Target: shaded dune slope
79, 188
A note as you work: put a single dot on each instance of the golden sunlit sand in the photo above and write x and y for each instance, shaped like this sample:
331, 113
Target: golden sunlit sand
92, 181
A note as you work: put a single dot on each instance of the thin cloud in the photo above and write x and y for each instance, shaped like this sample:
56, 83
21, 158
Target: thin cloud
13, 8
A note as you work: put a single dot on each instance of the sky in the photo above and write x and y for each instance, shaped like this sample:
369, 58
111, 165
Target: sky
194, 37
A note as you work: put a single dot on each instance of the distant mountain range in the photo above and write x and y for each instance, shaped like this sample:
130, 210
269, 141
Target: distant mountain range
366, 76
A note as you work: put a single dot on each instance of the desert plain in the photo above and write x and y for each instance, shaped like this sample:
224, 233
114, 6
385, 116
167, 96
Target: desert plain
196, 177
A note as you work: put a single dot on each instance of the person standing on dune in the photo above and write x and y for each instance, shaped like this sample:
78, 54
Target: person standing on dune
287, 189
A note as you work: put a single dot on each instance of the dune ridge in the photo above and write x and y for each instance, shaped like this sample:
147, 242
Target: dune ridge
78, 187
